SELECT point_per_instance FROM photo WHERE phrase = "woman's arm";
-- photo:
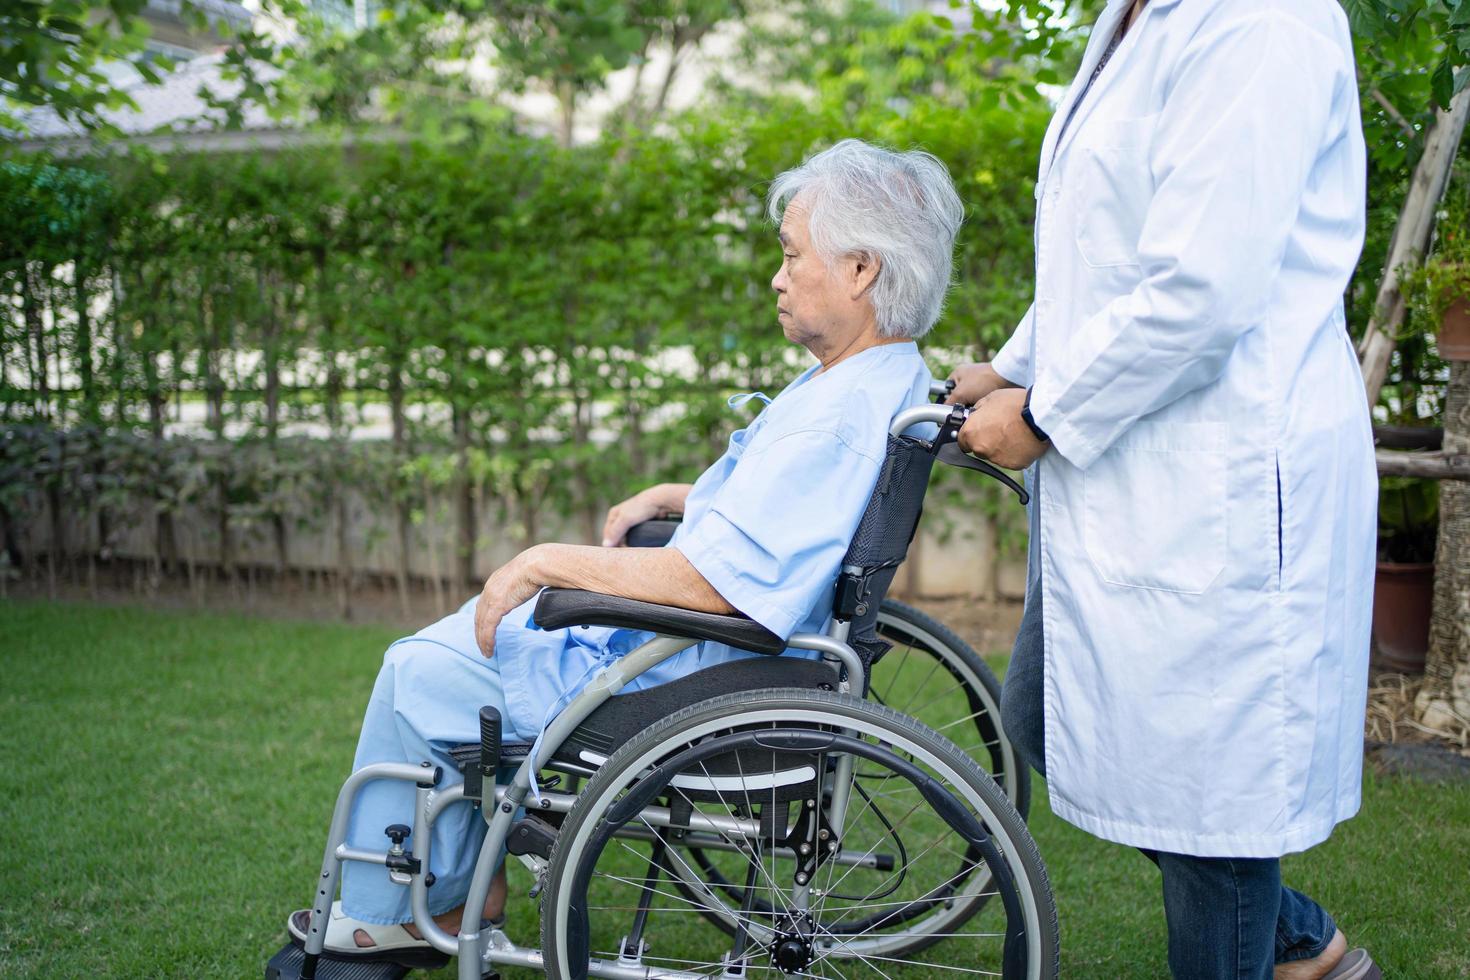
(657, 501)
(660, 575)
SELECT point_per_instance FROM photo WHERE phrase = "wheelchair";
(756, 817)
(929, 673)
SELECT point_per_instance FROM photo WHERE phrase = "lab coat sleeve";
(776, 531)
(1013, 360)
(1251, 102)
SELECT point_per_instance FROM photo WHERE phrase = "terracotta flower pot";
(1453, 339)
(1403, 597)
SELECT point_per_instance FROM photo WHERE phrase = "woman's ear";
(862, 273)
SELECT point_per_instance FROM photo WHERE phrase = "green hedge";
(547, 327)
(559, 325)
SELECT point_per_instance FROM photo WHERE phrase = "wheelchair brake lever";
(949, 451)
(952, 454)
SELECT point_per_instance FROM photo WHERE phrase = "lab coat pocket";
(1114, 190)
(1155, 507)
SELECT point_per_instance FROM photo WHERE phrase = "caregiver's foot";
(1319, 966)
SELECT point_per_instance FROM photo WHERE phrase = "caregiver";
(1191, 669)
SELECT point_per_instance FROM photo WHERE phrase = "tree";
(64, 55)
(53, 54)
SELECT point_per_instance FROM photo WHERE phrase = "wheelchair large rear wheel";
(842, 878)
(931, 674)
(935, 676)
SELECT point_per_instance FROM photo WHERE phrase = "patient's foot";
(450, 921)
(1318, 966)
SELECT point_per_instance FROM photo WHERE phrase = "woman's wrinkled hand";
(643, 506)
(972, 382)
(511, 584)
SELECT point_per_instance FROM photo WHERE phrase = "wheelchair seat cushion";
(618, 719)
(557, 608)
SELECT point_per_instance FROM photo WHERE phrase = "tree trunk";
(32, 295)
(120, 353)
(92, 415)
(165, 542)
(1444, 701)
(566, 98)
(214, 385)
(91, 412)
(14, 554)
(633, 412)
(581, 477)
(661, 101)
(58, 524)
(436, 573)
(214, 398)
(400, 456)
(271, 356)
(1411, 240)
(465, 529)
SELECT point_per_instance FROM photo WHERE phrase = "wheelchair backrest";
(891, 518)
(882, 540)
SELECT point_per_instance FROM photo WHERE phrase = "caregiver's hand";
(973, 382)
(660, 500)
(996, 431)
(511, 584)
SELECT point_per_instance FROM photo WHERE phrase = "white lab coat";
(1207, 510)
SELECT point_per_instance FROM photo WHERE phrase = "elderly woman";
(866, 237)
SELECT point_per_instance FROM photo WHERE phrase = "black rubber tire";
(1002, 818)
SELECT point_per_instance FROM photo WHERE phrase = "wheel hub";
(792, 953)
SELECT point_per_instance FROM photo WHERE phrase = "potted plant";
(1442, 288)
(1403, 593)
(1439, 290)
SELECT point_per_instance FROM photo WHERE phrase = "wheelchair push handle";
(940, 390)
(950, 418)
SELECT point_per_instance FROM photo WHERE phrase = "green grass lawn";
(168, 779)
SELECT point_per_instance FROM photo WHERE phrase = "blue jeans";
(1228, 917)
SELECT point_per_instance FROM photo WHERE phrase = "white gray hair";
(898, 207)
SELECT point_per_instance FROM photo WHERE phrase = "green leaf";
(1442, 82)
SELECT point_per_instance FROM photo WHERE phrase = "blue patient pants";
(426, 699)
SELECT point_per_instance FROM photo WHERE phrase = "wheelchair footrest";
(286, 965)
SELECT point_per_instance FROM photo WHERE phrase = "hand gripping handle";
(950, 418)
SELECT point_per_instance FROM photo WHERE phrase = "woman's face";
(814, 304)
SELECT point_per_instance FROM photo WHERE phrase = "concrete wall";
(955, 553)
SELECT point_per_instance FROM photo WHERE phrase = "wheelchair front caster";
(290, 961)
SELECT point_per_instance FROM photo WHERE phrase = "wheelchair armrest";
(558, 608)
(653, 534)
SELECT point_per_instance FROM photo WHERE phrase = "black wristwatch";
(1030, 421)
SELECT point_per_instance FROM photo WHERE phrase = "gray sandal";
(1355, 964)
(392, 943)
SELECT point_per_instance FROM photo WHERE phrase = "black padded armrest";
(652, 534)
(558, 608)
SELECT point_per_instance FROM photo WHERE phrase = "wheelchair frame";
(477, 948)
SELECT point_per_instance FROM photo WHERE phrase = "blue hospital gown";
(767, 525)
